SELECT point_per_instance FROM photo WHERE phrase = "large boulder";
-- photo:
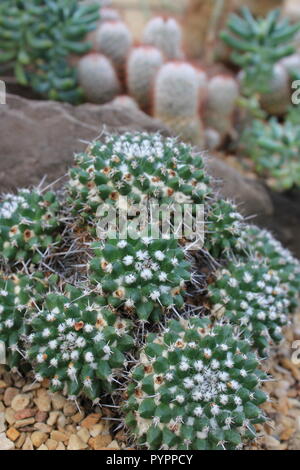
(39, 138)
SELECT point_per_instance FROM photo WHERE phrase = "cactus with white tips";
(142, 67)
(174, 105)
(166, 35)
(114, 40)
(98, 78)
(222, 95)
(195, 387)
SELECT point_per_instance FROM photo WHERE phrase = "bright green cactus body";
(29, 225)
(274, 148)
(262, 245)
(78, 342)
(252, 296)
(195, 387)
(35, 34)
(145, 277)
(259, 44)
(18, 295)
(140, 167)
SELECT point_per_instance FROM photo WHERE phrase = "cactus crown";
(28, 225)
(144, 276)
(78, 342)
(274, 148)
(165, 34)
(34, 51)
(195, 387)
(258, 44)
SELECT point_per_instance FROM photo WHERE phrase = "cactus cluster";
(114, 40)
(274, 149)
(195, 387)
(29, 225)
(37, 37)
(176, 335)
(78, 342)
(166, 35)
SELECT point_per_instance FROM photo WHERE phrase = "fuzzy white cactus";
(142, 67)
(98, 78)
(125, 101)
(166, 35)
(222, 94)
(176, 101)
(278, 98)
(114, 40)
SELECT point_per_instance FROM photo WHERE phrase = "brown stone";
(75, 443)
(26, 413)
(59, 436)
(78, 417)
(58, 401)
(70, 408)
(20, 402)
(90, 420)
(13, 434)
(41, 416)
(51, 444)
(27, 444)
(9, 394)
(102, 441)
(24, 422)
(20, 441)
(43, 402)
(38, 438)
(10, 416)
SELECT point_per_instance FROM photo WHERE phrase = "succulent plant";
(36, 34)
(114, 40)
(261, 244)
(139, 166)
(274, 149)
(222, 95)
(250, 294)
(224, 225)
(29, 225)
(79, 343)
(142, 66)
(258, 44)
(174, 106)
(195, 387)
(277, 100)
(18, 294)
(145, 277)
(98, 78)
(166, 35)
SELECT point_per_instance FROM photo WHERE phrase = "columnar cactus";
(195, 387)
(114, 40)
(166, 35)
(125, 101)
(138, 166)
(252, 296)
(277, 99)
(142, 66)
(176, 107)
(79, 343)
(145, 277)
(222, 95)
(98, 78)
(18, 295)
(29, 225)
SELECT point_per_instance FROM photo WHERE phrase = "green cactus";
(274, 148)
(98, 78)
(142, 276)
(258, 44)
(19, 294)
(142, 67)
(36, 36)
(29, 225)
(174, 106)
(78, 342)
(261, 245)
(195, 387)
(252, 296)
(139, 166)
